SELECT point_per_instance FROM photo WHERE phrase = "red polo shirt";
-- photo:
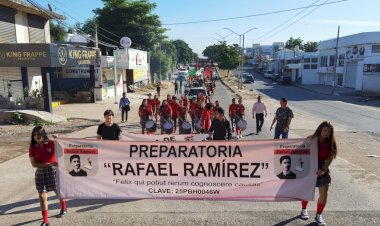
(44, 153)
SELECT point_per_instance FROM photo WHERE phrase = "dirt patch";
(233, 83)
(15, 139)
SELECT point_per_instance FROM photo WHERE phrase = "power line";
(253, 15)
(287, 20)
(92, 29)
(295, 21)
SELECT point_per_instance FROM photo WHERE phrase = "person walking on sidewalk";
(259, 109)
(240, 115)
(232, 113)
(327, 151)
(283, 117)
(42, 156)
(158, 88)
(108, 130)
(124, 106)
(176, 86)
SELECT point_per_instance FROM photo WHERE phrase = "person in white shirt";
(259, 109)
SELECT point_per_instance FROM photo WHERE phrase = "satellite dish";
(125, 42)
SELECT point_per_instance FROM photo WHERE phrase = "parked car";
(275, 77)
(268, 74)
(249, 79)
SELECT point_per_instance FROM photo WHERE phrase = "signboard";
(268, 170)
(25, 55)
(371, 69)
(79, 72)
(47, 55)
(125, 42)
(355, 52)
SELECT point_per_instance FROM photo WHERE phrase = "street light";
(224, 37)
(241, 52)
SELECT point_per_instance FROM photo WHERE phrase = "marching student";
(206, 118)
(42, 156)
(327, 151)
(175, 108)
(152, 103)
(220, 127)
(165, 114)
(232, 113)
(240, 115)
(157, 106)
(108, 130)
(192, 112)
(182, 116)
(145, 113)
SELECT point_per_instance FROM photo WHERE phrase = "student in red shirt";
(213, 110)
(42, 156)
(192, 110)
(185, 101)
(169, 99)
(152, 103)
(232, 113)
(206, 118)
(327, 151)
(240, 114)
(182, 116)
(175, 108)
(157, 107)
(145, 112)
(165, 114)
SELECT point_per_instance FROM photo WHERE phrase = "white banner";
(166, 137)
(270, 170)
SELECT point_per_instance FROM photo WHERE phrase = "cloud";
(354, 23)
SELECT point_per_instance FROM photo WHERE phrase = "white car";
(268, 74)
(193, 92)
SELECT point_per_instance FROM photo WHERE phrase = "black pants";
(124, 110)
(259, 121)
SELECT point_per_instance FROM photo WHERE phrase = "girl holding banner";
(327, 151)
(42, 156)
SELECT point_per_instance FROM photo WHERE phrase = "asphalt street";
(353, 199)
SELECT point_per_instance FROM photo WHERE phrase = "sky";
(310, 24)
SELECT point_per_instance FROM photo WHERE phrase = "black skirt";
(45, 179)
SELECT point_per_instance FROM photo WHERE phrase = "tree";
(184, 52)
(310, 46)
(159, 60)
(226, 56)
(129, 18)
(57, 32)
(292, 43)
(170, 51)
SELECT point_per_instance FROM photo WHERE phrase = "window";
(341, 60)
(375, 48)
(306, 66)
(36, 29)
(7, 25)
(323, 61)
(306, 60)
(297, 61)
(288, 61)
(314, 60)
(314, 66)
(332, 60)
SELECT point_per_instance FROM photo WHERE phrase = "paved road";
(352, 200)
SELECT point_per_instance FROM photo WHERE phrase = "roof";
(31, 9)
(350, 40)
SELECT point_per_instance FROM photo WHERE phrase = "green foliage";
(292, 43)
(57, 32)
(310, 46)
(17, 117)
(134, 19)
(185, 54)
(40, 122)
(225, 55)
(160, 60)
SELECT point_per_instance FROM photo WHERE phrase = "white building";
(358, 62)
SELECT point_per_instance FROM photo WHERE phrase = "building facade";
(357, 65)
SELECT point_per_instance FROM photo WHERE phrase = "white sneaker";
(304, 215)
(318, 218)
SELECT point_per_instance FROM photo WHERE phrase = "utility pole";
(114, 74)
(96, 36)
(336, 61)
(242, 64)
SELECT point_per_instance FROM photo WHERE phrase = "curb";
(227, 86)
